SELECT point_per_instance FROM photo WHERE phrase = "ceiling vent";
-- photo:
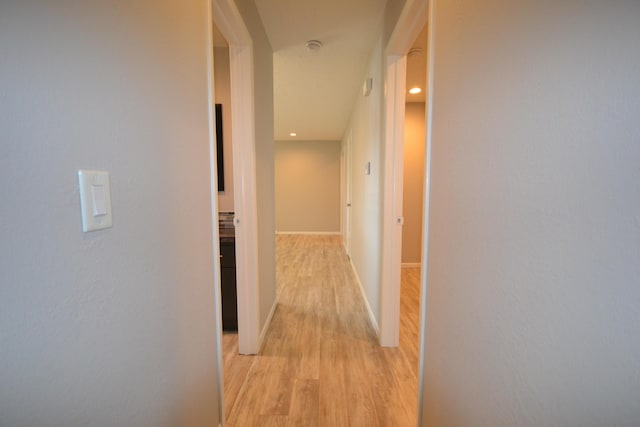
(313, 45)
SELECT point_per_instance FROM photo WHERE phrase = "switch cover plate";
(95, 200)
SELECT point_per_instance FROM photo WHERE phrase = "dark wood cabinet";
(228, 283)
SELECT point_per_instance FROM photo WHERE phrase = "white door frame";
(231, 25)
(427, 203)
(410, 22)
(346, 191)
(396, 66)
(214, 210)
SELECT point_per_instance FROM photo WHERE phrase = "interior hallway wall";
(366, 128)
(114, 327)
(534, 246)
(307, 176)
(413, 182)
(366, 196)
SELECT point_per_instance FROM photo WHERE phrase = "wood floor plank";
(246, 409)
(410, 309)
(305, 410)
(362, 406)
(311, 332)
(272, 421)
(278, 384)
(236, 369)
(332, 395)
(320, 364)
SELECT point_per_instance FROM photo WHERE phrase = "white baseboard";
(411, 265)
(372, 318)
(263, 334)
(310, 233)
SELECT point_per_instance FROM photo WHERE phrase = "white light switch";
(95, 200)
(98, 196)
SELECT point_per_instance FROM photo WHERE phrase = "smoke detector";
(415, 51)
(313, 45)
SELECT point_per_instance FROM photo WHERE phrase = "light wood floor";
(320, 364)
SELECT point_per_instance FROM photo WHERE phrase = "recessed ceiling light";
(415, 90)
(293, 134)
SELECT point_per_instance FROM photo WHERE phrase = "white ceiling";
(314, 92)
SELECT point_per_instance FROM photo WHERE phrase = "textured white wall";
(223, 96)
(413, 185)
(116, 327)
(534, 248)
(263, 87)
(307, 175)
(366, 198)
(392, 11)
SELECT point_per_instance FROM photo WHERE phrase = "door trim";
(347, 192)
(414, 15)
(407, 28)
(217, 296)
(427, 202)
(228, 19)
(396, 73)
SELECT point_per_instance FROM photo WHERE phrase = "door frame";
(347, 192)
(213, 176)
(412, 19)
(396, 66)
(415, 14)
(230, 23)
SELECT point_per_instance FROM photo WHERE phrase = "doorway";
(408, 27)
(230, 24)
(413, 18)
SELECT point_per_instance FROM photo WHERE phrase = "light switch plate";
(95, 200)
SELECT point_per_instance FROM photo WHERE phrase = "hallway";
(320, 363)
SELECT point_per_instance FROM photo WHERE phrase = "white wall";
(366, 128)
(392, 11)
(413, 187)
(223, 96)
(263, 89)
(366, 199)
(534, 248)
(307, 178)
(116, 327)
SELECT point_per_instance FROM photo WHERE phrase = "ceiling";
(314, 91)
